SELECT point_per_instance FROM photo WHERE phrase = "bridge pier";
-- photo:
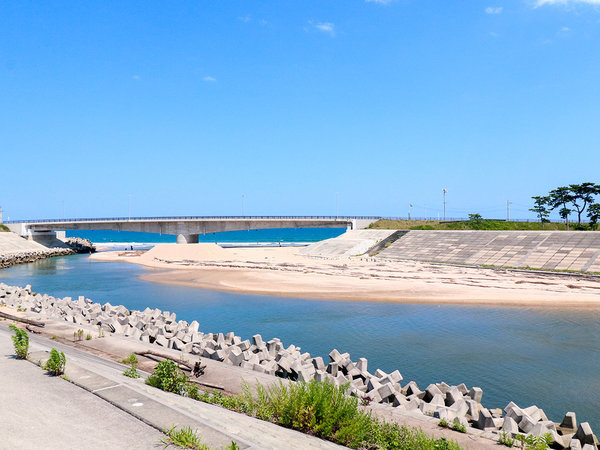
(187, 238)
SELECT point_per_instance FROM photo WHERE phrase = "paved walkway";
(39, 411)
(49, 412)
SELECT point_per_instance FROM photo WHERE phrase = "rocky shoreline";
(73, 246)
(452, 403)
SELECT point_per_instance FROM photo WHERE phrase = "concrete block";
(452, 396)
(412, 388)
(244, 345)
(485, 421)
(318, 363)
(569, 421)
(335, 356)
(585, 435)
(476, 393)
(332, 369)
(526, 424)
(257, 340)
(575, 444)
(431, 391)
(380, 373)
(462, 388)
(534, 413)
(399, 400)
(543, 427)
(362, 364)
(459, 408)
(193, 328)
(385, 390)
(510, 426)
(438, 400)
(236, 356)
(162, 341)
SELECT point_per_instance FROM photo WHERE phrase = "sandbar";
(285, 272)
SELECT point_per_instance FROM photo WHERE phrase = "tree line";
(568, 199)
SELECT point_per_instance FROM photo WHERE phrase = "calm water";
(532, 356)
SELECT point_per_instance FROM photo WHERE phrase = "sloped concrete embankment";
(351, 243)
(16, 250)
(560, 250)
(438, 400)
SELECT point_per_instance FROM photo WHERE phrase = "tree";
(541, 208)
(582, 195)
(560, 197)
(594, 215)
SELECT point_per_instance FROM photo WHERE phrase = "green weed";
(505, 439)
(20, 342)
(56, 363)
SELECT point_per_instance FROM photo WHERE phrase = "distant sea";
(252, 237)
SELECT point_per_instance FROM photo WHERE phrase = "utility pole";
(445, 191)
(242, 205)
(409, 206)
(336, 205)
(63, 210)
(129, 207)
(508, 202)
(0, 214)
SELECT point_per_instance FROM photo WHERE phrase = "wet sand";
(287, 273)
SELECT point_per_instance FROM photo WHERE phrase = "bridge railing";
(139, 219)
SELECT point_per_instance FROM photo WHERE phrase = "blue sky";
(183, 107)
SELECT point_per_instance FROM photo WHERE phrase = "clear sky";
(182, 107)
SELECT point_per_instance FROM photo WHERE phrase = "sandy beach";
(287, 273)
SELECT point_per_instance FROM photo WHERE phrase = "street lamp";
(445, 191)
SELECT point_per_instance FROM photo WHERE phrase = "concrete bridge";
(186, 228)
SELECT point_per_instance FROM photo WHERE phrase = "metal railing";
(171, 218)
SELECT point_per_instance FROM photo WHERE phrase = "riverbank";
(287, 272)
(387, 393)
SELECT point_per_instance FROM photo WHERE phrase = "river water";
(546, 357)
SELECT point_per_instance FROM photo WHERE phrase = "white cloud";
(326, 27)
(380, 2)
(209, 79)
(565, 29)
(566, 2)
(245, 19)
(136, 77)
(493, 9)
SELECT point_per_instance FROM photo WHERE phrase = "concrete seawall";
(560, 250)
(16, 250)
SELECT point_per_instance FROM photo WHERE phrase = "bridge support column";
(187, 238)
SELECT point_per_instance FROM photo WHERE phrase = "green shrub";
(443, 423)
(131, 373)
(88, 337)
(531, 442)
(184, 437)
(168, 377)
(20, 342)
(131, 359)
(506, 439)
(457, 426)
(56, 363)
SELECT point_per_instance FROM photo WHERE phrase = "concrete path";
(39, 411)
(81, 419)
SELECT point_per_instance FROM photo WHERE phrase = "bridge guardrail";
(132, 219)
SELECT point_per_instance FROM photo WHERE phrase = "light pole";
(63, 210)
(129, 207)
(336, 205)
(508, 202)
(445, 191)
(242, 205)
(409, 206)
